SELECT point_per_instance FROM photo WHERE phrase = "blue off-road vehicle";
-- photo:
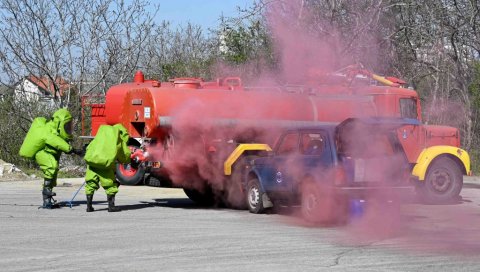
(323, 167)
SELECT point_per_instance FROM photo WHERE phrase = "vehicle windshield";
(408, 108)
(288, 144)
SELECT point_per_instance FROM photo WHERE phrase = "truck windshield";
(408, 108)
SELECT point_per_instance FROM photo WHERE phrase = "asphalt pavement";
(160, 229)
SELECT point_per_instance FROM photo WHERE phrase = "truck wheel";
(235, 193)
(254, 197)
(443, 182)
(129, 175)
(202, 198)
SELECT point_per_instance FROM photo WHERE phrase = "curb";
(471, 179)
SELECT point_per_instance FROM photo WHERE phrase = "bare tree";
(184, 51)
(438, 45)
(90, 43)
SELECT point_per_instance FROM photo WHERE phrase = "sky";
(205, 13)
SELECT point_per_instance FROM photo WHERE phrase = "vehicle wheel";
(310, 202)
(443, 182)
(129, 175)
(202, 198)
(321, 205)
(254, 197)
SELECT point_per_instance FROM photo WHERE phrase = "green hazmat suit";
(45, 142)
(108, 147)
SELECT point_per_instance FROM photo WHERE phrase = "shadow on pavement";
(79, 203)
(164, 202)
(182, 203)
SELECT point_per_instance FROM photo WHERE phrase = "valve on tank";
(187, 82)
(139, 77)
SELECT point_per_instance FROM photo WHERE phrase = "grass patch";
(475, 161)
(61, 174)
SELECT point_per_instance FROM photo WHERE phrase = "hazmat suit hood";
(62, 122)
(123, 133)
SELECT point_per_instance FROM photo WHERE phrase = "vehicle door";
(286, 152)
(316, 157)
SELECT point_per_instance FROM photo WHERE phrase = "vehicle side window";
(408, 108)
(312, 143)
(289, 144)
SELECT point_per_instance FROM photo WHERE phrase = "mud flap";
(267, 203)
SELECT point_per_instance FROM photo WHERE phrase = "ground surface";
(161, 230)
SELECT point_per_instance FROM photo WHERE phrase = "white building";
(34, 89)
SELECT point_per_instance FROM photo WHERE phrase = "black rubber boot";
(47, 201)
(48, 194)
(47, 198)
(89, 203)
(111, 204)
(47, 188)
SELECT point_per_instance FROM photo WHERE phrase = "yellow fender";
(430, 153)
(227, 165)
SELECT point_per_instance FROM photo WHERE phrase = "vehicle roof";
(390, 122)
(385, 121)
(310, 127)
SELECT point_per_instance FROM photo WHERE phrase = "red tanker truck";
(200, 135)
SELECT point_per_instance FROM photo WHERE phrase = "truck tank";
(149, 108)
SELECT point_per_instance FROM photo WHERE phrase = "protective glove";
(78, 152)
(138, 155)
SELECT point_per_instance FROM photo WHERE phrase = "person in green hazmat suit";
(108, 147)
(45, 141)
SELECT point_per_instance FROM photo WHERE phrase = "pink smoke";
(201, 147)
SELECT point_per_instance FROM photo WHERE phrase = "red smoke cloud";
(201, 145)
(418, 228)
(299, 50)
